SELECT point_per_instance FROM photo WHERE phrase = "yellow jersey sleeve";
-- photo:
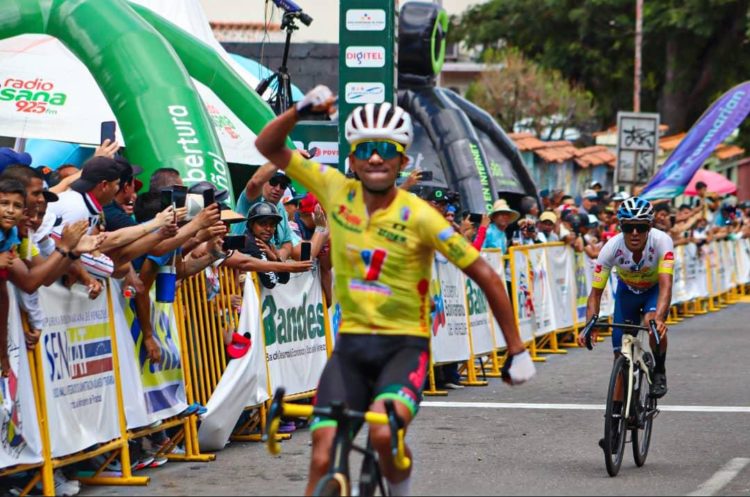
(438, 233)
(666, 263)
(600, 277)
(323, 181)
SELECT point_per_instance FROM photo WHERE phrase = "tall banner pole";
(367, 58)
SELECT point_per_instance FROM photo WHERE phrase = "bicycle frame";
(345, 419)
(632, 349)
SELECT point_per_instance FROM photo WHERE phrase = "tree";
(692, 49)
(521, 91)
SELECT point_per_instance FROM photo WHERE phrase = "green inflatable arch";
(142, 64)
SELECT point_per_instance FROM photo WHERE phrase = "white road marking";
(579, 407)
(720, 479)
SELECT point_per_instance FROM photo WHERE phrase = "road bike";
(337, 480)
(631, 378)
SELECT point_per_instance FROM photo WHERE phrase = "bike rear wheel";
(332, 485)
(643, 409)
(614, 422)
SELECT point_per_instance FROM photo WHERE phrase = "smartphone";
(208, 197)
(107, 131)
(475, 218)
(426, 176)
(166, 198)
(233, 242)
(306, 254)
(179, 196)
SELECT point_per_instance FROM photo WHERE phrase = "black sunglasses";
(279, 182)
(631, 227)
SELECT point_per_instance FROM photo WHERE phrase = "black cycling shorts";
(367, 368)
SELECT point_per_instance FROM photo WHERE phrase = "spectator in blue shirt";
(501, 217)
(269, 185)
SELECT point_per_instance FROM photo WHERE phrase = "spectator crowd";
(82, 226)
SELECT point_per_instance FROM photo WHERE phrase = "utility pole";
(638, 47)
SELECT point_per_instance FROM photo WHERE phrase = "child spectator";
(12, 204)
(262, 220)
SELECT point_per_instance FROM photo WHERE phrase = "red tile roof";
(557, 151)
(595, 156)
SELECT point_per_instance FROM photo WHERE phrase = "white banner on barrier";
(742, 248)
(495, 259)
(562, 283)
(450, 336)
(243, 384)
(523, 299)
(294, 326)
(679, 281)
(20, 442)
(541, 291)
(583, 283)
(155, 391)
(479, 319)
(79, 382)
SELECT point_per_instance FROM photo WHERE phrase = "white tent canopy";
(77, 107)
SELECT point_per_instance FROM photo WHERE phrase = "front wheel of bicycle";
(614, 421)
(643, 406)
(332, 485)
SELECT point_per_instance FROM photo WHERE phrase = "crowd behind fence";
(88, 388)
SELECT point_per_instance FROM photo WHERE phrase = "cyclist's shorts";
(630, 307)
(367, 368)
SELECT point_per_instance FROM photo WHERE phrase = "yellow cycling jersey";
(382, 262)
(657, 258)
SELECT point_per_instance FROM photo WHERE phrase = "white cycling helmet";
(636, 209)
(380, 122)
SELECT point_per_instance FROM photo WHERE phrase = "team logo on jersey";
(405, 213)
(598, 268)
(618, 253)
(350, 196)
(669, 256)
(374, 260)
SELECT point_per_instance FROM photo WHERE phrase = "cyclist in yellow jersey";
(644, 258)
(382, 244)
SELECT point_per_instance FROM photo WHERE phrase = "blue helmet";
(636, 209)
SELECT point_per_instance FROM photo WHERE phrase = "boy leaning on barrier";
(12, 203)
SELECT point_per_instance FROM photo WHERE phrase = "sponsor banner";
(583, 284)
(495, 259)
(523, 300)
(679, 281)
(163, 385)
(243, 383)
(718, 122)
(562, 285)
(695, 271)
(540, 290)
(365, 57)
(325, 152)
(365, 19)
(365, 93)
(726, 266)
(79, 382)
(479, 318)
(742, 251)
(294, 327)
(450, 336)
(20, 442)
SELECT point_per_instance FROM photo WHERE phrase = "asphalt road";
(546, 448)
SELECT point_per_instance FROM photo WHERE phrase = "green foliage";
(692, 49)
(522, 90)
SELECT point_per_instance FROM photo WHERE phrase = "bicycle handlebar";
(593, 323)
(279, 408)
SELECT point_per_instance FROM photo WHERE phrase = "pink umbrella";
(715, 183)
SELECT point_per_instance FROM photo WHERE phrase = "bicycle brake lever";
(587, 331)
(654, 331)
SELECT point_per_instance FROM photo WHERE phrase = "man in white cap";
(501, 216)
(588, 200)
